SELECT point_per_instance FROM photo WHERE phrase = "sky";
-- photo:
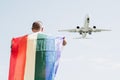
(97, 58)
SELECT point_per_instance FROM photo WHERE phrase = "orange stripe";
(21, 58)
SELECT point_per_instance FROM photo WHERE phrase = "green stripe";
(45, 57)
(40, 66)
(40, 62)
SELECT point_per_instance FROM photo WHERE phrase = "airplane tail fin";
(87, 21)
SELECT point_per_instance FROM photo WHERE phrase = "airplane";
(85, 29)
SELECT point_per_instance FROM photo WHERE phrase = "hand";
(64, 41)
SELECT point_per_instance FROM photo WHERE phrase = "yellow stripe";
(30, 57)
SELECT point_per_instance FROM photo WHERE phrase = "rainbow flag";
(34, 57)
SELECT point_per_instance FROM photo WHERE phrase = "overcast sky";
(97, 58)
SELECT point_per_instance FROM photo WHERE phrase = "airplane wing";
(68, 30)
(99, 30)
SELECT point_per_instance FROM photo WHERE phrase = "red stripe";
(17, 59)
(14, 51)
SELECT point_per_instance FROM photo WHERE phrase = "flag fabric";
(34, 57)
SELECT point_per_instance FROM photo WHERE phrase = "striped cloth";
(34, 57)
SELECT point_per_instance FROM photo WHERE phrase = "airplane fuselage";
(86, 29)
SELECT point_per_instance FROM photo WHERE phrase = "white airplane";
(85, 29)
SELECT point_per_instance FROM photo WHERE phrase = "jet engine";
(77, 27)
(94, 27)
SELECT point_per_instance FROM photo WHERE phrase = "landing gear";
(90, 33)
